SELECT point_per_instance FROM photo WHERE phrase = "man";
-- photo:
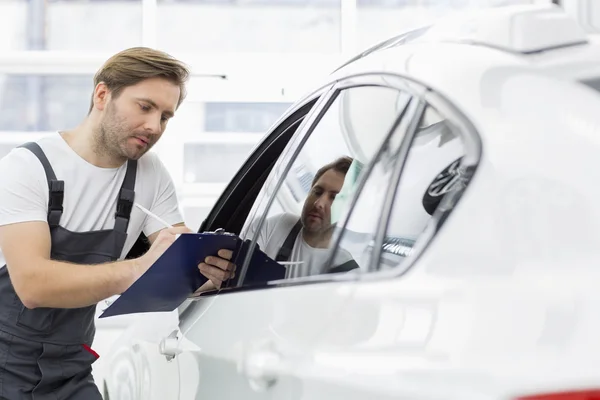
(303, 243)
(66, 218)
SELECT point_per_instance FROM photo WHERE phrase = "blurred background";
(250, 59)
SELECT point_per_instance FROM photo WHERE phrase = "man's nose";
(321, 203)
(153, 124)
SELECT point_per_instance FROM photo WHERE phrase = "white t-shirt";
(90, 192)
(311, 260)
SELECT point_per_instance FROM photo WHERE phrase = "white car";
(470, 209)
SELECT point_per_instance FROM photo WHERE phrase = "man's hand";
(218, 269)
(163, 241)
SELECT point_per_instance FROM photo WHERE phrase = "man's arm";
(153, 236)
(41, 282)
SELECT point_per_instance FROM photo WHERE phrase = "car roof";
(481, 79)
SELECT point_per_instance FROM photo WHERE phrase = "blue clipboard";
(175, 275)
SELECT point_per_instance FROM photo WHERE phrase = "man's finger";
(214, 281)
(213, 271)
(217, 282)
(220, 263)
(226, 254)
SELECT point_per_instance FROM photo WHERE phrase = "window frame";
(304, 133)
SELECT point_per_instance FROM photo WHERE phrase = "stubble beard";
(104, 144)
(108, 138)
(321, 232)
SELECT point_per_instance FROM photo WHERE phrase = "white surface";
(105, 338)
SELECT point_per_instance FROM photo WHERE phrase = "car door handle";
(169, 346)
(262, 367)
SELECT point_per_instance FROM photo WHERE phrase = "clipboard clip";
(219, 231)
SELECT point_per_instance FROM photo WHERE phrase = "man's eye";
(144, 108)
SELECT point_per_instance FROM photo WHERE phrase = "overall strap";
(286, 250)
(126, 198)
(345, 267)
(56, 187)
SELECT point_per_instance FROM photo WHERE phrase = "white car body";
(502, 303)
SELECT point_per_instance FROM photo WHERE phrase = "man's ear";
(101, 96)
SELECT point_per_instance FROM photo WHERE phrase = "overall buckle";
(55, 202)
(125, 203)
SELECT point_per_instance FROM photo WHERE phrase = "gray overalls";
(45, 352)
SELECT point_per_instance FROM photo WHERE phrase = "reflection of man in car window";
(303, 242)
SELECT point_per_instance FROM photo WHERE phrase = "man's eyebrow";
(153, 104)
(323, 189)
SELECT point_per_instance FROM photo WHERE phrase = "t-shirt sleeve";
(23, 188)
(263, 234)
(272, 233)
(165, 204)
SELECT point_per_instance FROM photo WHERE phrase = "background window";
(43, 102)
(213, 162)
(40, 25)
(307, 26)
(242, 117)
(13, 25)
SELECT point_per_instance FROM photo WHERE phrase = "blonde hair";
(131, 66)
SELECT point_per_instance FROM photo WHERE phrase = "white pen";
(151, 214)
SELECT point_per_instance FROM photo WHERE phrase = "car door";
(399, 331)
(247, 341)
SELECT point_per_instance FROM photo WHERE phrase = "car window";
(432, 171)
(361, 222)
(298, 217)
